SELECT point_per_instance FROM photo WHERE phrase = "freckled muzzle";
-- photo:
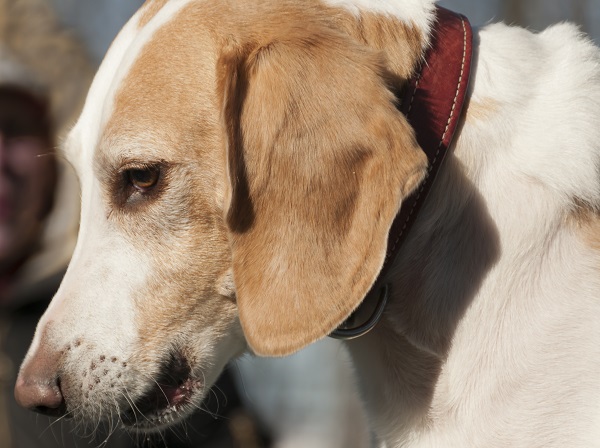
(73, 382)
(47, 385)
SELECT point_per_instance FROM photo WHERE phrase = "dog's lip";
(161, 401)
(179, 395)
(171, 392)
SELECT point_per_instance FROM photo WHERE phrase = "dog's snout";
(38, 384)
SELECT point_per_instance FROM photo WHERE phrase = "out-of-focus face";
(27, 174)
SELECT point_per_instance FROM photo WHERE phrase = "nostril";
(51, 412)
(44, 397)
(55, 406)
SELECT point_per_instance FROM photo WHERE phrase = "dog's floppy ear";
(319, 160)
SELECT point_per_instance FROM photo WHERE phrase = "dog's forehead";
(167, 100)
(132, 81)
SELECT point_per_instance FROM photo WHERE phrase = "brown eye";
(143, 179)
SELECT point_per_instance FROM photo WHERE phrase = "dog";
(241, 165)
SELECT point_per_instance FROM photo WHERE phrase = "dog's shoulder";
(536, 97)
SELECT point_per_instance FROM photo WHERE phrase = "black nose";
(38, 385)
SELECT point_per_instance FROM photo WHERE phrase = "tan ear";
(319, 160)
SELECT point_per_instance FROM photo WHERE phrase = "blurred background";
(305, 401)
(97, 22)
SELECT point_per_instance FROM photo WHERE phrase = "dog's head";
(240, 170)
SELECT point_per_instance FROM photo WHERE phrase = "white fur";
(521, 367)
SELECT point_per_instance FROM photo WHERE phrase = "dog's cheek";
(188, 306)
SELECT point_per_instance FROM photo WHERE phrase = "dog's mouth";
(169, 400)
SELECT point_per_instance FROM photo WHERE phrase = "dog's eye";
(143, 179)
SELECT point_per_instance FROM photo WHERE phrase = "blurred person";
(43, 76)
(28, 175)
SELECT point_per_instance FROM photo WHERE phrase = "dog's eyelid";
(142, 165)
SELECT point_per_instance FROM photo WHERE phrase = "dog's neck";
(409, 333)
(437, 274)
(433, 105)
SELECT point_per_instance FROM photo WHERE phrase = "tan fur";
(587, 223)
(291, 246)
(149, 11)
(592, 232)
(400, 44)
(481, 110)
(265, 78)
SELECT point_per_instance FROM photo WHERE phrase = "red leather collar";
(432, 103)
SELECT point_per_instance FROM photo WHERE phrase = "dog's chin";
(172, 397)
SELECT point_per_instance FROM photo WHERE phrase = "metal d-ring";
(352, 333)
